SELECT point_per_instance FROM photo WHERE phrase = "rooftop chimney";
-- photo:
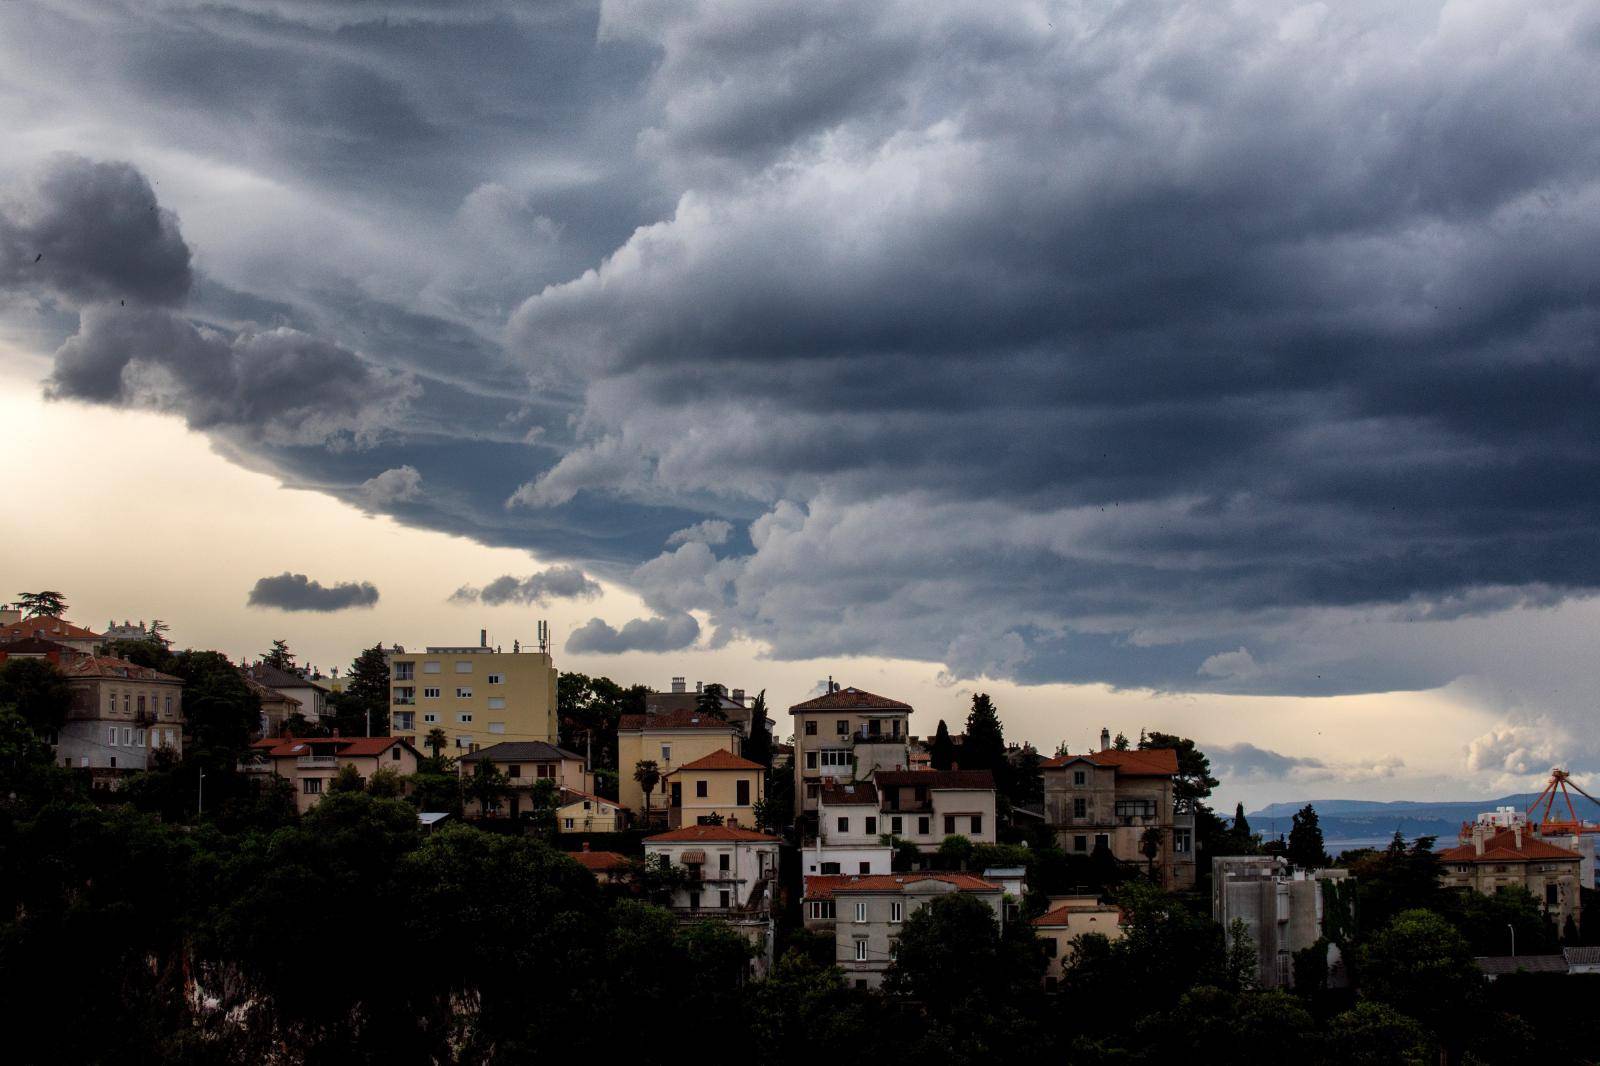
(1477, 839)
(679, 685)
(737, 696)
(1105, 739)
(697, 687)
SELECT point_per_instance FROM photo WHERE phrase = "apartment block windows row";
(950, 824)
(430, 693)
(463, 693)
(130, 737)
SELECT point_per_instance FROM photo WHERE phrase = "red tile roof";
(860, 792)
(1147, 762)
(691, 833)
(897, 882)
(46, 627)
(822, 886)
(850, 699)
(1062, 915)
(721, 759)
(679, 719)
(106, 666)
(1502, 847)
(933, 778)
(601, 861)
(572, 795)
(343, 747)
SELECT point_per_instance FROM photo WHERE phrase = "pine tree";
(943, 751)
(280, 656)
(1305, 840)
(709, 701)
(47, 604)
(758, 746)
(366, 696)
(985, 746)
(1241, 825)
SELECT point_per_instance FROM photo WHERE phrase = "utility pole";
(1513, 930)
(200, 808)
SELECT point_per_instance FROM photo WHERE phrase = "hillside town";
(820, 859)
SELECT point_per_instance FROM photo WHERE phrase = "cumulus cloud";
(556, 583)
(1516, 749)
(399, 484)
(711, 531)
(1231, 664)
(670, 633)
(296, 592)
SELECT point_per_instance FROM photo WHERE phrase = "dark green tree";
(487, 786)
(1241, 824)
(985, 745)
(1194, 782)
(158, 633)
(280, 656)
(758, 745)
(437, 739)
(1419, 965)
(709, 701)
(348, 779)
(46, 604)
(648, 773)
(1306, 848)
(942, 752)
(365, 700)
(35, 689)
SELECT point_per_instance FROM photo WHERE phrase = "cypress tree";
(943, 752)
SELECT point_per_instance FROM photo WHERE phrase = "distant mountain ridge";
(1359, 820)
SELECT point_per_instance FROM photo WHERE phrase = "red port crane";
(1550, 823)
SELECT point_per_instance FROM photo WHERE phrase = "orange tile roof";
(576, 795)
(677, 719)
(47, 626)
(1502, 847)
(353, 747)
(1062, 915)
(1146, 762)
(721, 759)
(600, 860)
(111, 667)
(850, 699)
(860, 792)
(691, 833)
(897, 882)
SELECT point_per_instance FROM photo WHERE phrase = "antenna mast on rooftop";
(544, 637)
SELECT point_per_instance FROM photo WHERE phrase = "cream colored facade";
(843, 736)
(720, 785)
(477, 695)
(119, 716)
(671, 740)
(582, 812)
(1065, 920)
(1488, 861)
(311, 764)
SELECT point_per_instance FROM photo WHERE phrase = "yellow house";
(583, 812)
(669, 740)
(477, 695)
(719, 785)
(1067, 919)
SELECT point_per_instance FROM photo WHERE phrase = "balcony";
(404, 701)
(317, 762)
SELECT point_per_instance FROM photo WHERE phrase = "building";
(717, 787)
(925, 806)
(670, 740)
(120, 714)
(312, 696)
(34, 648)
(869, 911)
(477, 694)
(1067, 918)
(276, 707)
(607, 866)
(525, 763)
(849, 833)
(126, 631)
(48, 627)
(310, 764)
(1490, 859)
(583, 812)
(1124, 801)
(1284, 910)
(842, 736)
(732, 703)
(732, 877)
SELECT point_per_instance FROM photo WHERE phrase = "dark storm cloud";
(296, 592)
(556, 583)
(1243, 348)
(92, 231)
(596, 637)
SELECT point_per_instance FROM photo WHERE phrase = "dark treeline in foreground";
(136, 932)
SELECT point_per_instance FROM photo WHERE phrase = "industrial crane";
(1550, 824)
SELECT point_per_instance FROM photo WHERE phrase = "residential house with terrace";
(525, 763)
(584, 812)
(731, 876)
(845, 735)
(310, 764)
(1488, 860)
(48, 627)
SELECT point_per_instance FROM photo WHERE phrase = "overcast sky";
(1223, 368)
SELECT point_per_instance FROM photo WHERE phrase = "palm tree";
(648, 774)
(436, 740)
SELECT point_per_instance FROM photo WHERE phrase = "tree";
(280, 656)
(955, 851)
(1305, 840)
(648, 774)
(544, 800)
(1194, 781)
(437, 738)
(158, 633)
(942, 753)
(1150, 848)
(775, 810)
(348, 779)
(1241, 824)
(1423, 968)
(221, 710)
(486, 785)
(364, 704)
(386, 784)
(1240, 965)
(1121, 743)
(985, 746)
(905, 854)
(35, 689)
(708, 701)
(47, 604)
(758, 745)
(1371, 1034)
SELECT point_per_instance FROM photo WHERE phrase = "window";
(404, 694)
(872, 827)
(127, 736)
(428, 717)
(111, 703)
(430, 667)
(1080, 843)
(138, 738)
(1079, 778)
(822, 909)
(894, 825)
(949, 824)
(1080, 808)
(723, 861)
(404, 671)
(464, 717)
(700, 789)
(836, 757)
(864, 867)
(861, 912)
(543, 770)
(861, 950)
(741, 793)
(167, 711)
(495, 679)
(497, 703)
(842, 727)
(405, 721)
(1051, 947)
(666, 753)
(897, 911)
(568, 822)
(811, 728)
(844, 824)
(875, 727)
(497, 727)
(830, 867)
(1181, 841)
(111, 735)
(812, 790)
(141, 704)
(977, 824)
(463, 666)
(1551, 894)
(923, 826)
(430, 693)
(127, 703)
(463, 693)
(514, 770)
(311, 786)
(1135, 808)
(723, 899)
(394, 753)
(587, 805)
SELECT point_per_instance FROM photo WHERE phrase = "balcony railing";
(312, 762)
(405, 701)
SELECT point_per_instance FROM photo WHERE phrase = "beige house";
(276, 707)
(869, 911)
(843, 736)
(1489, 860)
(527, 762)
(310, 694)
(718, 786)
(583, 812)
(311, 763)
(1124, 801)
(1068, 918)
(477, 694)
(48, 627)
(925, 806)
(670, 740)
(120, 714)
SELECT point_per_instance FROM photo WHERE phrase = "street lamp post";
(1513, 930)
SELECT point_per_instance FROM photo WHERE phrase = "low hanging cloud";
(711, 531)
(672, 633)
(556, 583)
(1245, 762)
(399, 484)
(296, 592)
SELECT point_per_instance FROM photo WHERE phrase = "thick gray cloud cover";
(555, 583)
(670, 633)
(1242, 347)
(297, 592)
